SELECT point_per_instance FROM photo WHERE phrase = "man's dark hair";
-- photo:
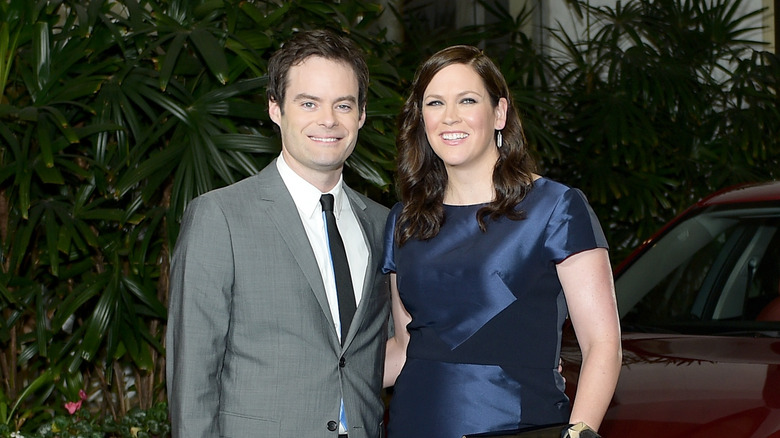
(321, 43)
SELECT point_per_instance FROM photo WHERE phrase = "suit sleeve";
(198, 319)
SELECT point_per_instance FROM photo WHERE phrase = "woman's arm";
(587, 283)
(395, 356)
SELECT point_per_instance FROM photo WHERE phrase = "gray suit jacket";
(251, 346)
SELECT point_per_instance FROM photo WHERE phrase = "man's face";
(320, 118)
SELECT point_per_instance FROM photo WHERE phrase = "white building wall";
(551, 12)
(548, 13)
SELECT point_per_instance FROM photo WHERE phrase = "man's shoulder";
(370, 203)
(371, 206)
(246, 194)
(263, 181)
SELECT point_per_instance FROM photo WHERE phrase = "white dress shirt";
(307, 200)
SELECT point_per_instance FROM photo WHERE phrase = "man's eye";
(308, 104)
(345, 107)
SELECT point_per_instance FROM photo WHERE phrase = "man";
(255, 343)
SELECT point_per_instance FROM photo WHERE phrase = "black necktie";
(338, 255)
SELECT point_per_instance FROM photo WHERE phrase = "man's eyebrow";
(304, 96)
(349, 98)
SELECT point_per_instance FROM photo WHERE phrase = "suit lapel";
(367, 228)
(282, 211)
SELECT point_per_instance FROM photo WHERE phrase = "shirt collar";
(305, 195)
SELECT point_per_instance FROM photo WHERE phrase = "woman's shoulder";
(392, 217)
(544, 187)
(396, 208)
(554, 195)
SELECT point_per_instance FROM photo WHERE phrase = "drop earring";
(499, 139)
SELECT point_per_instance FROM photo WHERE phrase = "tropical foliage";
(664, 102)
(655, 104)
(115, 113)
(136, 423)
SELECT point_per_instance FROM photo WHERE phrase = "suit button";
(342, 362)
(332, 426)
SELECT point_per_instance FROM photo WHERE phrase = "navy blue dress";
(487, 311)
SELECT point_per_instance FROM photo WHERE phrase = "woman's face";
(459, 119)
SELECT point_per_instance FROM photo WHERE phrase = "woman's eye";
(433, 103)
(468, 100)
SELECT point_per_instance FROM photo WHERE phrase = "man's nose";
(328, 118)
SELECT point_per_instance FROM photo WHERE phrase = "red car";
(699, 306)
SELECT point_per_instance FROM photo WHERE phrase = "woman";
(485, 257)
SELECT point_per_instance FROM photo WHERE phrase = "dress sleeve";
(573, 227)
(388, 254)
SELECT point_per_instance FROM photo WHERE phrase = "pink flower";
(72, 407)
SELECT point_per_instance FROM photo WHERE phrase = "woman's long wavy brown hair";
(421, 176)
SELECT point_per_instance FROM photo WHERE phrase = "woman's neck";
(463, 189)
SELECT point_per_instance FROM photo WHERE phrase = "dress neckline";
(481, 204)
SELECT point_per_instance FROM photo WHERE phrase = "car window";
(717, 267)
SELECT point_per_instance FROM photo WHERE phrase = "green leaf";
(146, 296)
(61, 122)
(23, 182)
(99, 320)
(42, 57)
(44, 141)
(76, 299)
(8, 295)
(42, 337)
(52, 239)
(170, 58)
(212, 52)
(43, 379)
(147, 168)
(267, 20)
(8, 43)
(247, 143)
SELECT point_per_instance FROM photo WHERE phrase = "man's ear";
(275, 111)
(362, 119)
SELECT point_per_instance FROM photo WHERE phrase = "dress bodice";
(489, 303)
